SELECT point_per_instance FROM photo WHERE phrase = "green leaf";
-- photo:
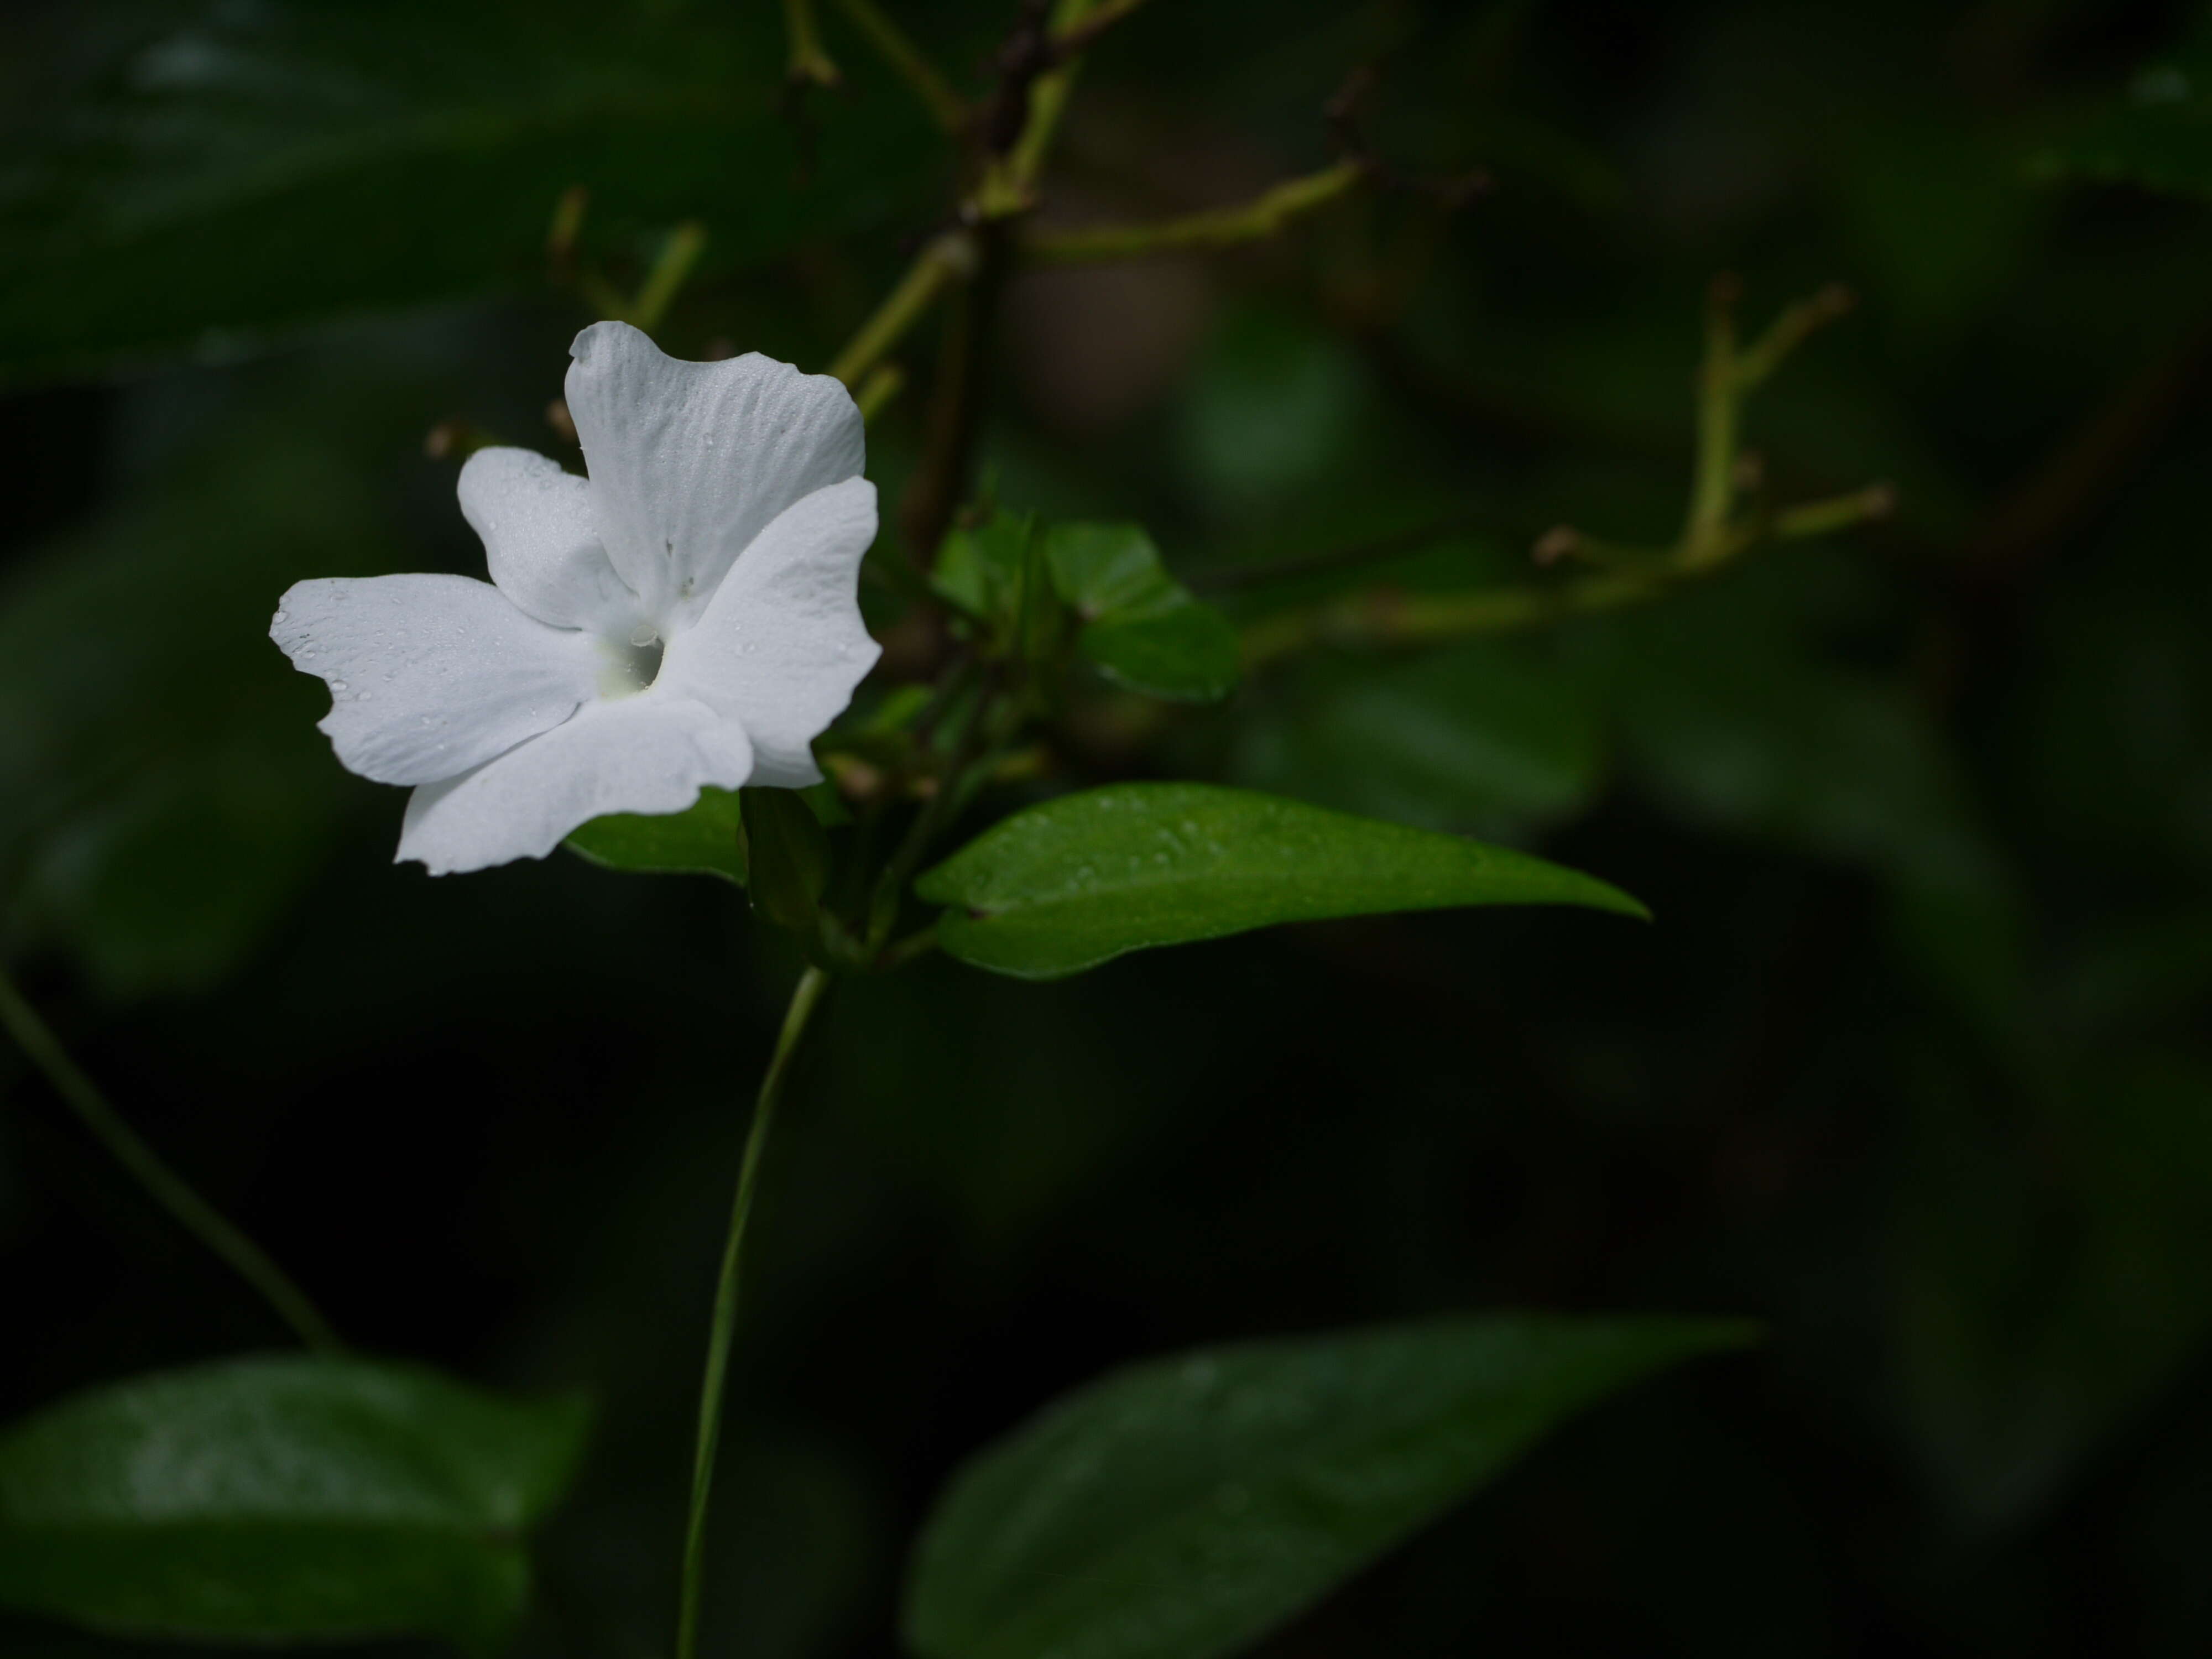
(979, 570)
(1079, 881)
(258, 168)
(1185, 654)
(1181, 1509)
(282, 1500)
(789, 852)
(1141, 628)
(1109, 571)
(707, 838)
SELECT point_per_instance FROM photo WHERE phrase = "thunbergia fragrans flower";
(687, 616)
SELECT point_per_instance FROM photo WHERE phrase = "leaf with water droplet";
(1028, 898)
(1182, 1508)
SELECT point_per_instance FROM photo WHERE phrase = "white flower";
(688, 616)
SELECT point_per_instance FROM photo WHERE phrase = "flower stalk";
(804, 998)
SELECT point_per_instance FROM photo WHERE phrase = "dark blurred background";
(1911, 1066)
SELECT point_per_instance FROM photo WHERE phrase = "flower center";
(632, 664)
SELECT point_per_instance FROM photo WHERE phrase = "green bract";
(1181, 1509)
(282, 1500)
(1075, 882)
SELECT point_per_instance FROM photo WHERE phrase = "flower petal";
(691, 461)
(781, 646)
(649, 753)
(541, 543)
(430, 675)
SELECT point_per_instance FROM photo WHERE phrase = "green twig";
(1788, 332)
(1009, 184)
(677, 255)
(1074, 36)
(164, 1185)
(949, 256)
(808, 64)
(896, 48)
(1217, 227)
(805, 998)
(883, 383)
(1712, 485)
(1713, 536)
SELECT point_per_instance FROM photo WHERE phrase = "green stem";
(808, 61)
(164, 1185)
(892, 44)
(1009, 184)
(950, 255)
(1400, 620)
(879, 389)
(804, 1000)
(1218, 227)
(1712, 488)
(677, 255)
(1094, 21)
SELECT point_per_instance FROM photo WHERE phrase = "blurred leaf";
(256, 166)
(706, 838)
(1187, 653)
(1075, 882)
(2055, 1281)
(282, 1500)
(788, 851)
(2158, 136)
(1478, 737)
(1110, 570)
(979, 569)
(1733, 718)
(1182, 1509)
(1141, 628)
(1276, 411)
(163, 792)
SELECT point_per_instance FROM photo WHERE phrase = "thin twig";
(1232, 579)
(882, 385)
(949, 256)
(677, 255)
(162, 1184)
(1074, 37)
(1216, 227)
(808, 64)
(1714, 535)
(896, 48)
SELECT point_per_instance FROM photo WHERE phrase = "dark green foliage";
(1181, 1509)
(1912, 1065)
(242, 169)
(283, 1500)
(1140, 627)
